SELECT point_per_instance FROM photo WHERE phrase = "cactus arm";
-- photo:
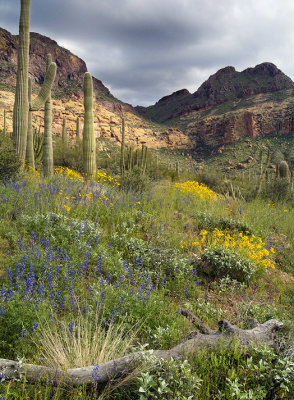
(45, 89)
(30, 145)
(21, 104)
(47, 143)
(89, 141)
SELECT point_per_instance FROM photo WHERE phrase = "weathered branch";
(118, 368)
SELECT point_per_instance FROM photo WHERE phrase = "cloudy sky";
(143, 50)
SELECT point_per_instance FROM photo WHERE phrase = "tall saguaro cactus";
(89, 141)
(47, 144)
(30, 144)
(21, 103)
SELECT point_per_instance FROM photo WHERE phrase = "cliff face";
(70, 68)
(231, 104)
(68, 96)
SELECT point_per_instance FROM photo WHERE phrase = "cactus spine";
(89, 142)
(122, 149)
(30, 144)
(21, 103)
(64, 131)
(47, 144)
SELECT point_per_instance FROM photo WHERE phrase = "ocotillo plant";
(89, 141)
(64, 131)
(47, 144)
(122, 148)
(21, 103)
(30, 159)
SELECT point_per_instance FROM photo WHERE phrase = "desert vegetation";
(122, 277)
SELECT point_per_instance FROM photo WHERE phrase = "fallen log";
(102, 374)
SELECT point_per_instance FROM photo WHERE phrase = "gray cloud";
(143, 50)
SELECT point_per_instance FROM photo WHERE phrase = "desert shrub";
(70, 156)
(218, 262)
(208, 221)
(9, 160)
(134, 180)
(278, 190)
(155, 259)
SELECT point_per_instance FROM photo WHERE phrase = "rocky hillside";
(68, 96)
(229, 105)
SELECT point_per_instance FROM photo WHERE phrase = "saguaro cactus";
(78, 128)
(21, 103)
(47, 144)
(64, 131)
(4, 118)
(30, 144)
(89, 141)
(122, 148)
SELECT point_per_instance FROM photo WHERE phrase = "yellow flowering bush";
(248, 246)
(69, 173)
(102, 177)
(197, 189)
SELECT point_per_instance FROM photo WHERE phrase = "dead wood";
(118, 368)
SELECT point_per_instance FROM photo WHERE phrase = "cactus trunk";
(89, 141)
(30, 144)
(21, 103)
(64, 131)
(4, 117)
(122, 149)
(47, 145)
(78, 128)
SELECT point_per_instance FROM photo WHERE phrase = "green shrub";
(278, 189)
(134, 180)
(218, 262)
(9, 160)
(70, 156)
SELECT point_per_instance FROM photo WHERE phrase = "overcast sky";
(143, 50)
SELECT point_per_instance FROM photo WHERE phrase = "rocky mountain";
(68, 96)
(229, 105)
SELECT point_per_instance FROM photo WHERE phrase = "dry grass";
(89, 341)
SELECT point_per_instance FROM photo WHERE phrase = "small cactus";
(283, 170)
(89, 141)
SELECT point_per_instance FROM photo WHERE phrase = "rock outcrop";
(68, 96)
